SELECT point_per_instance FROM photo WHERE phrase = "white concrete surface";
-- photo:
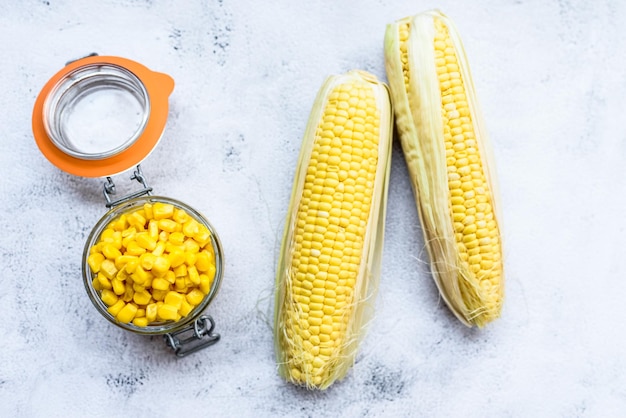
(550, 77)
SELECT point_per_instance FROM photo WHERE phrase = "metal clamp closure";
(109, 189)
(201, 336)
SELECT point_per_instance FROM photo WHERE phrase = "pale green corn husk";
(418, 118)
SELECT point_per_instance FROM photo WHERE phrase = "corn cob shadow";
(449, 161)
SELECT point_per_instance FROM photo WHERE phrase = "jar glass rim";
(86, 81)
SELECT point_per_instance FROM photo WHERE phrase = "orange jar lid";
(101, 115)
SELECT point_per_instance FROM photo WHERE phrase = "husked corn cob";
(448, 157)
(332, 244)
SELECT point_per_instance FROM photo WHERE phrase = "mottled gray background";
(550, 76)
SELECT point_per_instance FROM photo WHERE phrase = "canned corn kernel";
(162, 326)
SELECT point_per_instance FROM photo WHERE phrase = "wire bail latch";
(201, 336)
(109, 189)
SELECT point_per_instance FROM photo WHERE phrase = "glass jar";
(132, 101)
(164, 327)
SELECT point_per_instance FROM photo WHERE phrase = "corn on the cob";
(332, 244)
(448, 157)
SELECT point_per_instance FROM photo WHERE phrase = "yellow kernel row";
(153, 264)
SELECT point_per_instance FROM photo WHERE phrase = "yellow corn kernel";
(180, 285)
(146, 261)
(122, 260)
(122, 275)
(137, 220)
(151, 312)
(132, 265)
(140, 322)
(160, 265)
(180, 216)
(167, 312)
(108, 297)
(141, 312)
(211, 272)
(337, 209)
(127, 239)
(204, 261)
(185, 308)
(95, 249)
(127, 313)
(205, 284)
(176, 258)
(188, 283)
(181, 271)
(177, 238)
(142, 297)
(194, 297)
(126, 233)
(107, 235)
(129, 292)
(445, 148)
(162, 210)
(129, 232)
(147, 209)
(117, 240)
(174, 299)
(95, 261)
(120, 224)
(96, 284)
(144, 240)
(140, 276)
(170, 276)
(153, 229)
(168, 225)
(160, 284)
(159, 249)
(191, 246)
(191, 228)
(159, 295)
(118, 286)
(108, 269)
(203, 236)
(110, 252)
(104, 282)
(194, 277)
(116, 307)
(190, 259)
(171, 248)
(133, 248)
